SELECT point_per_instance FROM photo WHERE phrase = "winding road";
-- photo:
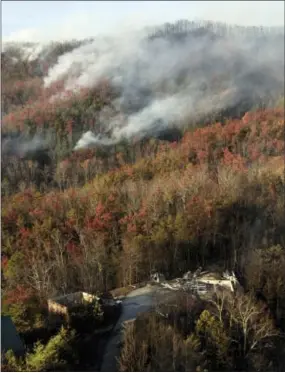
(137, 301)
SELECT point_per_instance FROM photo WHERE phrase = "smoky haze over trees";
(211, 69)
(185, 70)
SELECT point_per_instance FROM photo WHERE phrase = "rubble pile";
(198, 282)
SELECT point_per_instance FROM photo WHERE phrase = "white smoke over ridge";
(89, 139)
(181, 74)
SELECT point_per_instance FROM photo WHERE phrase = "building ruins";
(60, 308)
(199, 282)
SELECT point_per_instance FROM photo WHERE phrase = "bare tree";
(219, 301)
(39, 276)
(62, 279)
(256, 324)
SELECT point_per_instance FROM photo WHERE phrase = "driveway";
(137, 301)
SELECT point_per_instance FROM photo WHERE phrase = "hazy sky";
(46, 20)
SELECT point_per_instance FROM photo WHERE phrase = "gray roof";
(10, 339)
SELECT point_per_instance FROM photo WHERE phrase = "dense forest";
(143, 193)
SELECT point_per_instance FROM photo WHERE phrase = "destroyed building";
(200, 282)
(60, 308)
(157, 277)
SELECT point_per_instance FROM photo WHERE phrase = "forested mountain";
(160, 151)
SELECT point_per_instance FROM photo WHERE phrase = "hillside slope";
(162, 152)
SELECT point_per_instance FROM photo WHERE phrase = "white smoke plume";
(189, 71)
(25, 51)
(88, 139)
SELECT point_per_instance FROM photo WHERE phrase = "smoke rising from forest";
(189, 70)
(175, 75)
(21, 146)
